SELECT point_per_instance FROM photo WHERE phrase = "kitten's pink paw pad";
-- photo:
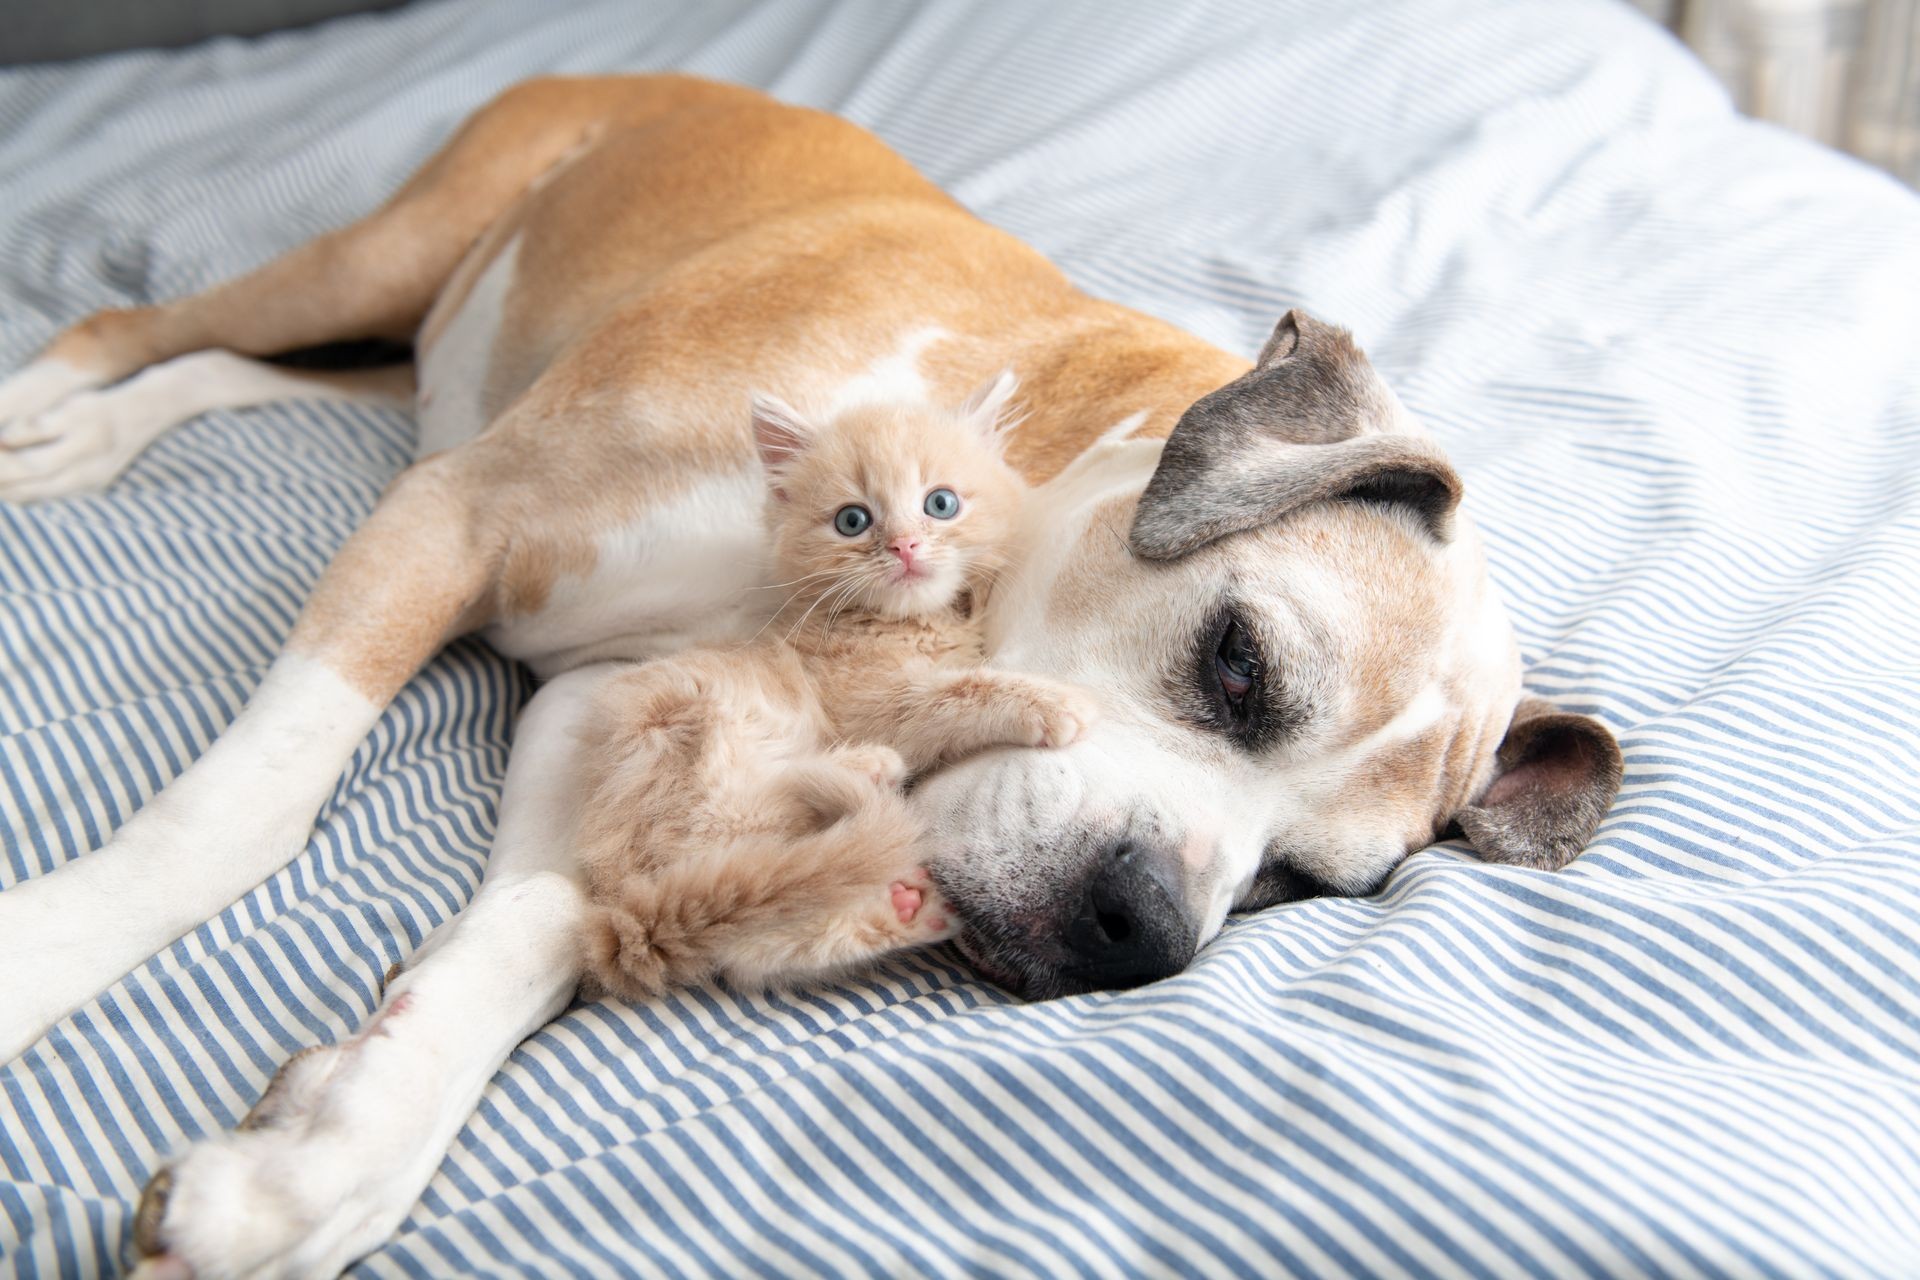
(919, 905)
(907, 901)
(928, 914)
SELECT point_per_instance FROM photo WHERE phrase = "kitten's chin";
(918, 597)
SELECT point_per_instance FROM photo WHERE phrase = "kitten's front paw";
(1059, 716)
(920, 909)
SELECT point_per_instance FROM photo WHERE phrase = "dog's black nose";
(1131, 927)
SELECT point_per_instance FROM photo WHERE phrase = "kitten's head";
(891, 508)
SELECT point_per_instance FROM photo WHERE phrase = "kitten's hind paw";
(920, 907)
(846, 781)
(907, 900)
(883, 765)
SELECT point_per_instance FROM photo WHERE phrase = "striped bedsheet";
(1675, 354)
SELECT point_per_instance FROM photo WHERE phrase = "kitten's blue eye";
(943, 504)
(852, 521)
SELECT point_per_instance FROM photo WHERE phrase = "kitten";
(744, 814)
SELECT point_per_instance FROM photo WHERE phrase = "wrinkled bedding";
(1676, 356)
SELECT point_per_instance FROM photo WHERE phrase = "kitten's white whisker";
(839, 607)
(772, 618)
(840, 604)
(861, 593)
(787, 604)
(795, 628)
(805, 577)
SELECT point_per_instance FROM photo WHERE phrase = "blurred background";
(1846, 72)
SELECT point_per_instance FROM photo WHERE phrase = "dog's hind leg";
(375, 278)
(344, 1140)
(417, 573)
(82, 444)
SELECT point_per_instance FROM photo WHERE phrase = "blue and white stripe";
(1677, 356)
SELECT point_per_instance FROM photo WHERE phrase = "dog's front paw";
(322, 1170)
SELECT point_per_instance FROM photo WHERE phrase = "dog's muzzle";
(1129, 928)
(1118, 923)
(1062, 886)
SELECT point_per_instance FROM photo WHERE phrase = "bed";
(1676, 355)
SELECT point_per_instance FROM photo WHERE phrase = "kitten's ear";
(986, 409)
(779, 432)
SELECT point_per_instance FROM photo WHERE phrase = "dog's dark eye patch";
(1233, 686)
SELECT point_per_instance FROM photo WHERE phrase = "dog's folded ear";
(1201, 493)
(1310, 423)
(1554, 777)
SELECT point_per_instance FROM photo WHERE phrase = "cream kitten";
(744, 815)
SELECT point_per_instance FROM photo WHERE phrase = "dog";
(1263, 572)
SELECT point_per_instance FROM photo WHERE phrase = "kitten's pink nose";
(906, 549)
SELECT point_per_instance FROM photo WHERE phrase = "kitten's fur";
(744, 815)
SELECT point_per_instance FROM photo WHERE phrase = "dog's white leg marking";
(238, 814)
(37, 388)
(83, 443)
(346, 1138)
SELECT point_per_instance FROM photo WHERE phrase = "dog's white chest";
(689, 571)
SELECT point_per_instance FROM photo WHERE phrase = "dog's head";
(1305, 671)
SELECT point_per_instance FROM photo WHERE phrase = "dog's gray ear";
(1320, 351)
(1554, 777)
(1307, 424)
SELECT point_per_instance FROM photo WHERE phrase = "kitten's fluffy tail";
(759, 910)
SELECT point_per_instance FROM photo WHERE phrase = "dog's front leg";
(233, 818)
(346, 1137)
(404, 583)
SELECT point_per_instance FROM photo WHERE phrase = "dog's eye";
(1237, 664)
(1235, 687)
(851, 521)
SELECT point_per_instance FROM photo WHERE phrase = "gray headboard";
(51, 32)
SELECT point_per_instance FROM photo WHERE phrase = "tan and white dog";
(1262, 573)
